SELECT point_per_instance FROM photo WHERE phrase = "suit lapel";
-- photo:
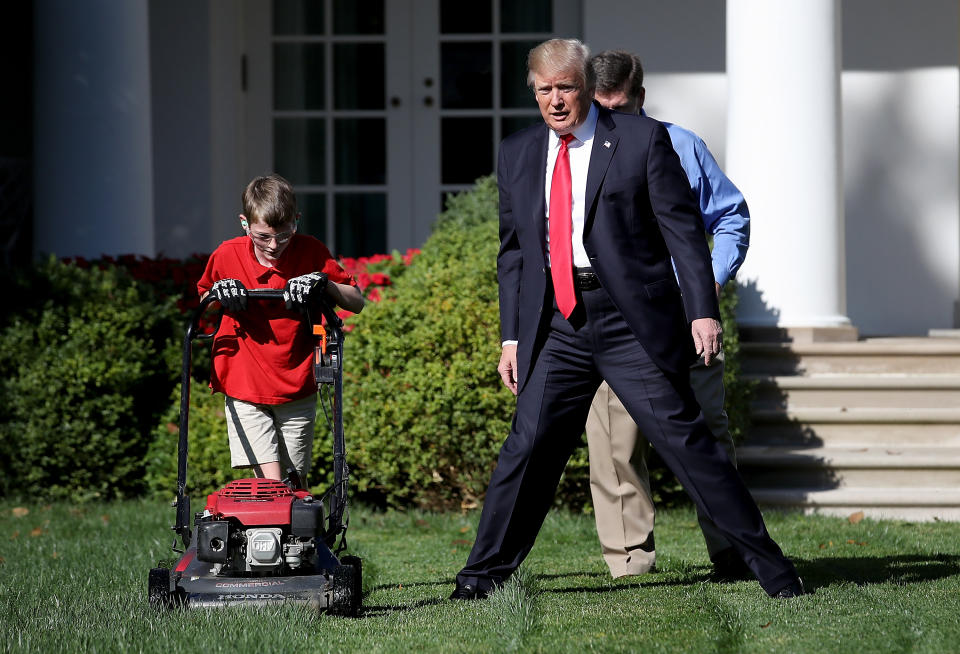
(536, 162)
(604, 145)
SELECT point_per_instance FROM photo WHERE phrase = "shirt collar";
(585, 131)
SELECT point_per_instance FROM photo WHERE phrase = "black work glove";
(231, 293)
(299, 290)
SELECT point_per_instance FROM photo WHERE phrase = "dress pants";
(595, 344)
(620, 482)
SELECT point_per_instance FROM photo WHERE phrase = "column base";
(841, 334)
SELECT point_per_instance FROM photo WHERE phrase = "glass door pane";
(484, 95)
(376, 110)
(329, 118)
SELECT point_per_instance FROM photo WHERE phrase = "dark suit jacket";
(639, 212)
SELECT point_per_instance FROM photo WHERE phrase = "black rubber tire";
(346, 602)
(158, 589)
(357, 565)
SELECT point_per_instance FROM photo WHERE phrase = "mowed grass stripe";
(73, 578)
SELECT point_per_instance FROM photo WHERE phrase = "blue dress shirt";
(725, 213)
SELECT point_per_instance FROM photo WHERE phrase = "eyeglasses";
(280, 238)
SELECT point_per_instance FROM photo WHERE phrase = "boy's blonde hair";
(270, 200)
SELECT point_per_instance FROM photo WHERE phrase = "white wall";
(900, 171)
(901, 111)
(901, 92)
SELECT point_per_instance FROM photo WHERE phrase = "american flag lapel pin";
(606, 144)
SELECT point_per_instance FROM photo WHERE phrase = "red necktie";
(561, 228)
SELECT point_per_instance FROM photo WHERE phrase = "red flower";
(380, 279)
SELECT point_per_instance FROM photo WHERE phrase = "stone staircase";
(871, 425)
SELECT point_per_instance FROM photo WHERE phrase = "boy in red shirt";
(262, 357)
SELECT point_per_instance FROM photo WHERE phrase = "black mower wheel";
(357, 565)
(346, 601)
(158, 589)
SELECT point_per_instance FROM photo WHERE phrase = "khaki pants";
(264, 433)
(619, 480)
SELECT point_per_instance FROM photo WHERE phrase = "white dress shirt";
(579, 149)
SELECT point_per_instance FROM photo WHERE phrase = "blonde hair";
(559, 55)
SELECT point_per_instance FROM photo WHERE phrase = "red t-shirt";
(264, 354)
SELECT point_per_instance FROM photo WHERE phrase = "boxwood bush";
(85, 368)
(425, 409)
(208, 460)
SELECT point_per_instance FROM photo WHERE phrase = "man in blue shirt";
(619, 481)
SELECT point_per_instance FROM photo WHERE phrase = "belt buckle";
(586, 279)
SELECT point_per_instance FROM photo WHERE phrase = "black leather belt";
(585, 279)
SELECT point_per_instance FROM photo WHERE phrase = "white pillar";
(93, 170)
(783, 151)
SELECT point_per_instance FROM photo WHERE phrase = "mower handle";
(334, 324)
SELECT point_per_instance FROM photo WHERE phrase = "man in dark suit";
(592, 207)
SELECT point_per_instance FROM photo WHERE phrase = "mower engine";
(255, 527)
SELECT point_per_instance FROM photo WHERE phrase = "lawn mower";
(263, 541)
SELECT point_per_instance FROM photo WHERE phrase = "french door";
(376, 109)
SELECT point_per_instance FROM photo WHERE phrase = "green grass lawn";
(74, 578)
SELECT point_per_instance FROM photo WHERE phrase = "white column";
(92, 141)
(783, 151)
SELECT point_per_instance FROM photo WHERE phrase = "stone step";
(874, 355)
(905, 503)
(842, 467)
(804, 427)
(856, 391)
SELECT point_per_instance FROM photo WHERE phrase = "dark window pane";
(299, 147)
(313, 214)
(467, 75)
(361, 224)
(298, 76)
(458, 17)
(513, 82)
(467, 149)
(360, 154)
(358, 75)
(526, 16)
(352, 17)
(297, 17)
(511, 124)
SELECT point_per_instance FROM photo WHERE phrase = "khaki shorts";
(264, 433)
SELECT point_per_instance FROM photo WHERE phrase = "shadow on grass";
(654, 580)
(415, 584)
(377, 610)
(900, 569)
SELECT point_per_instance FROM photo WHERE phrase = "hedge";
(85, 368)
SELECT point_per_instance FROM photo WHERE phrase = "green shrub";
(84, 370)
(208, 452)
(425, 412)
